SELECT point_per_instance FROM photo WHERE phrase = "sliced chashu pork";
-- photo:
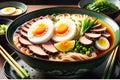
(22, 33)
(106, 35)
(27, 25)
(24, 41)
(48, 46)
(92, 35)
(85, 41)
(37, 50)
(36, 19)
(31, 22)
(24, 28)
(99, 29)
(96, 26)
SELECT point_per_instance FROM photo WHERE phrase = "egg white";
(44, 38)
(70, 35)
(103, 47)
(13, 9)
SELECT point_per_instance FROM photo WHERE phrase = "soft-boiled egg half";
(41, 31)
(8, 10)
(17, 12)
(65, 46)
(65, 29)
(102, 43)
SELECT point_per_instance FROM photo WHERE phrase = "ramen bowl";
(7, 12)
(56, 68)
(114, 14)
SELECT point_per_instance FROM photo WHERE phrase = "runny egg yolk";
(61, 29)
(40, 29)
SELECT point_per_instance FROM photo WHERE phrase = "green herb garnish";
(83, 49)
(86, 24)
(53, 16)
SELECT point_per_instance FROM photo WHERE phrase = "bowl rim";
(23, 11)
(9, 20)
(85, 61)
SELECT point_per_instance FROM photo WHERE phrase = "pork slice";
(96, 26)
(98, 30)
(24, 41)
(47, 17)
(36, 19)
(27, 25)
(23, 34)
(106, 35)
(49, 47)
(37, 50)
(92, 35)
(31, 22)
(44, 17)
(24, 28)
(85, 41)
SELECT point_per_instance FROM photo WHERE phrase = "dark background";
(47, 2)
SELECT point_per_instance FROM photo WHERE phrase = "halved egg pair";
(11, 11)
(43, 30)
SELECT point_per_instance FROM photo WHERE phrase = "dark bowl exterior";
(113, 15)
(13, 4)
(4, 21)
(60, 69)
(3, 39)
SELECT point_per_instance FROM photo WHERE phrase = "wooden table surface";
(36, 7)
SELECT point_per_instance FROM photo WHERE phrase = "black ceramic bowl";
(61, 69)
(15, 4)
(5, 21)
(83, 3)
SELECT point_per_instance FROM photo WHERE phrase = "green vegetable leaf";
(3, 28)
(86, 25)
(102, 6)
(90, 25)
